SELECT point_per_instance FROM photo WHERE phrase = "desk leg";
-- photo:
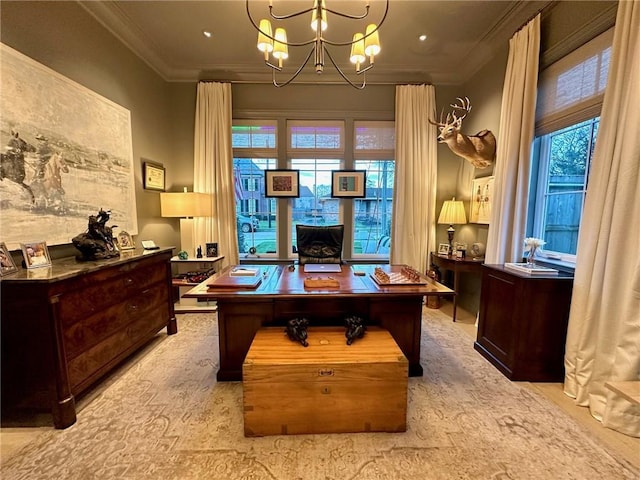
(455, 295)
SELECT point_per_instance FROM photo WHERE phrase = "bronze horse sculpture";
(12, 162)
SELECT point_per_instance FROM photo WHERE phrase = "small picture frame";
(124, 240)
(153, 176)
(36, 254)
(282, 183)
(481, 200)
(212, 249)
(443, 249)
(7, 265)
(348, 183)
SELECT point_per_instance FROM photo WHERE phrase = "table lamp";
(186, 205)
(452, 213)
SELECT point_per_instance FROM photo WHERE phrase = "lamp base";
(450, 232)
(186, 236)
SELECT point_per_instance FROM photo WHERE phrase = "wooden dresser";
(522, 324)
(66, 326)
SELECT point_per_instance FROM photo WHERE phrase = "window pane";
(316, 137)
(564, 166)
(562, 220)
(315, 205)
(257, 224)
(257, 136)
(372, 214)
(374, 136)
(570, 150)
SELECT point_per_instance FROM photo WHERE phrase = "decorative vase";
(531, 261)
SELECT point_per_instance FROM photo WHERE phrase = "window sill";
(564, 266)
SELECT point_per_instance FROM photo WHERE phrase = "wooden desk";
(281, 296)
(457, 265)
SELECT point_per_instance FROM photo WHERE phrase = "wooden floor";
(13, 439)
(626, 446)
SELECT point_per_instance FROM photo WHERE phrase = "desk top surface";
(279, 280)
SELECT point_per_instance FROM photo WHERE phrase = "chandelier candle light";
(364, 46)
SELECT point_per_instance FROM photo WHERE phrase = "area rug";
(164, 416)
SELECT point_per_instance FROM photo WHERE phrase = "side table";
(192, 305)
(456, 265)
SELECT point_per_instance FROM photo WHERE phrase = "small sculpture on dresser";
(296, 330)
(97, 242)
(355, 328)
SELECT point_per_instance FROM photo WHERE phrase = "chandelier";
(364, 46)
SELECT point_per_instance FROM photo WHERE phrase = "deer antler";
(441, 123)
(465, 104)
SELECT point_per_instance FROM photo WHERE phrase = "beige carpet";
(165, 417)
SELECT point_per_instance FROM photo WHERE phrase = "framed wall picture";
(348, 183)
(282, 183)
(36, 254)
(481, 199)
(7, 265)
(89, 140)
(153, 175)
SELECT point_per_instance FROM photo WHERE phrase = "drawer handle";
(325, 372)
(128, 281)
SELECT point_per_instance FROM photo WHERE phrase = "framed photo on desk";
(443, 249)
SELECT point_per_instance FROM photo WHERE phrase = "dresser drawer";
(82, 336)
(94, 298)
(94, 362)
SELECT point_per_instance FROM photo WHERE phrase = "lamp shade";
(265, 43)
(280, 48)
(452, 212)
(186, 204)
(357, 49)
(372, 41)
(314, 16)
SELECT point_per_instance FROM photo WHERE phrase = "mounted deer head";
(479, 149)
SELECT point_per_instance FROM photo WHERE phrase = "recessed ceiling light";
(422, 37)
(207, 33)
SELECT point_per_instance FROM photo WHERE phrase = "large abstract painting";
(66, 153)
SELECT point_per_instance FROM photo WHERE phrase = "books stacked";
(243, 272)
(530, 269)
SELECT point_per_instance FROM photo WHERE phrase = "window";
(562, 183)
(254, 151)
(374, 149)
(315, 148)
(570, 96)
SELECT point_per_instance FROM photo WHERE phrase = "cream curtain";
(603, 339)
(414, 207)
(213, 168)
(513, 155)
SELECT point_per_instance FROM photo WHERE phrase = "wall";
(565, 27)
(64, 37)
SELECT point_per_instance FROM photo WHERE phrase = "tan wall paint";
(62, 36)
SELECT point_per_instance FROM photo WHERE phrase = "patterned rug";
(163, 416)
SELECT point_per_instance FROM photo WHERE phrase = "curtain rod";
(542, 12)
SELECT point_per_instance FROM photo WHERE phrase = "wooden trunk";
(327, 387)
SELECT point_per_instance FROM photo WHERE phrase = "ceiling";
(461, 37)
